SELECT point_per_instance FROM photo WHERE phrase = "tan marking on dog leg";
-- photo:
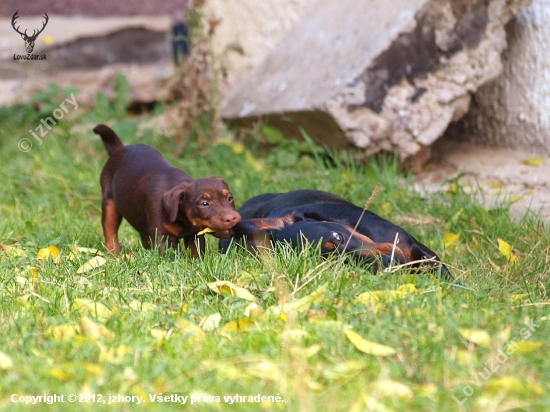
(173, 229)
(110, 220)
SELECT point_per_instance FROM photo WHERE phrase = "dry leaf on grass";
(238, 325)
(50, 252)
(91, 264)
(98, 309)
(5, 362)
(189, 330)
(533, 161)
(227, 288)
(506, 250)
(210, 322)
(450, 240)
(478, 336)
(12, 250)
(368, 347)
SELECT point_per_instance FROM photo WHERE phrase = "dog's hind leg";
(110, 220)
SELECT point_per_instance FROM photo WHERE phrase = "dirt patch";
(492, 173)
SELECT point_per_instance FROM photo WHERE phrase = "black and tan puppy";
(163, 203)
(271, 213)
(333, 237)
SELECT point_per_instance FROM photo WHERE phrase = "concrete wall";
(376, 75)
(254, 25)
(514, 110)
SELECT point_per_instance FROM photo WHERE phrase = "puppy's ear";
(171, 200)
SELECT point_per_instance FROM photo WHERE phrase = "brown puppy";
(161, 202)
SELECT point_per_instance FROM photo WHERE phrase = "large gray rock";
(375, 74)
(514, 110)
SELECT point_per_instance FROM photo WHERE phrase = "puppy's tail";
(110, 139)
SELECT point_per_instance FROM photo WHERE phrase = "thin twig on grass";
(369, 201)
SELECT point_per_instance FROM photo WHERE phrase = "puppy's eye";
(230, 199)
(339, 238)
(204, 203)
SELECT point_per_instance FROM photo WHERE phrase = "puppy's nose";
(231, 218)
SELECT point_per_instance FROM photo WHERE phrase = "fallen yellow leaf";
(512, 385)
(210, 322)
(50, 252)
(91, 264)
(265, 369)
(406, 289)
(61, 374)
(34, 271)
(380, 296)
(5, 362)
(23, 300)
(533, 161)
(62, 332)
(515, 198)
(506, 250)
(373, 297)
(300, 305)
(78, 250)
(93, 330)
(504, 334)
(207, 230)
(12, 250)
(453, 188)
(238, 325)
(227, 288)
(306, 353)
(450, 240)
(365, 346)
(253, 310)
(344, 370)
(519, 297)
(93, 370)
(158, 334)
(366, 402)
(88, 250)
(141, 306)
(238, 148)
(388, 387)
(464, 357)
(189, 330)
(478, 336)
(113, 355)
(101, 311)
(526, 347)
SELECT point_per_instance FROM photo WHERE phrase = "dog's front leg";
(197, 245)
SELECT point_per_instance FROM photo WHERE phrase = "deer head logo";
(29, 40)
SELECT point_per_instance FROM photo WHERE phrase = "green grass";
(144, 335)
